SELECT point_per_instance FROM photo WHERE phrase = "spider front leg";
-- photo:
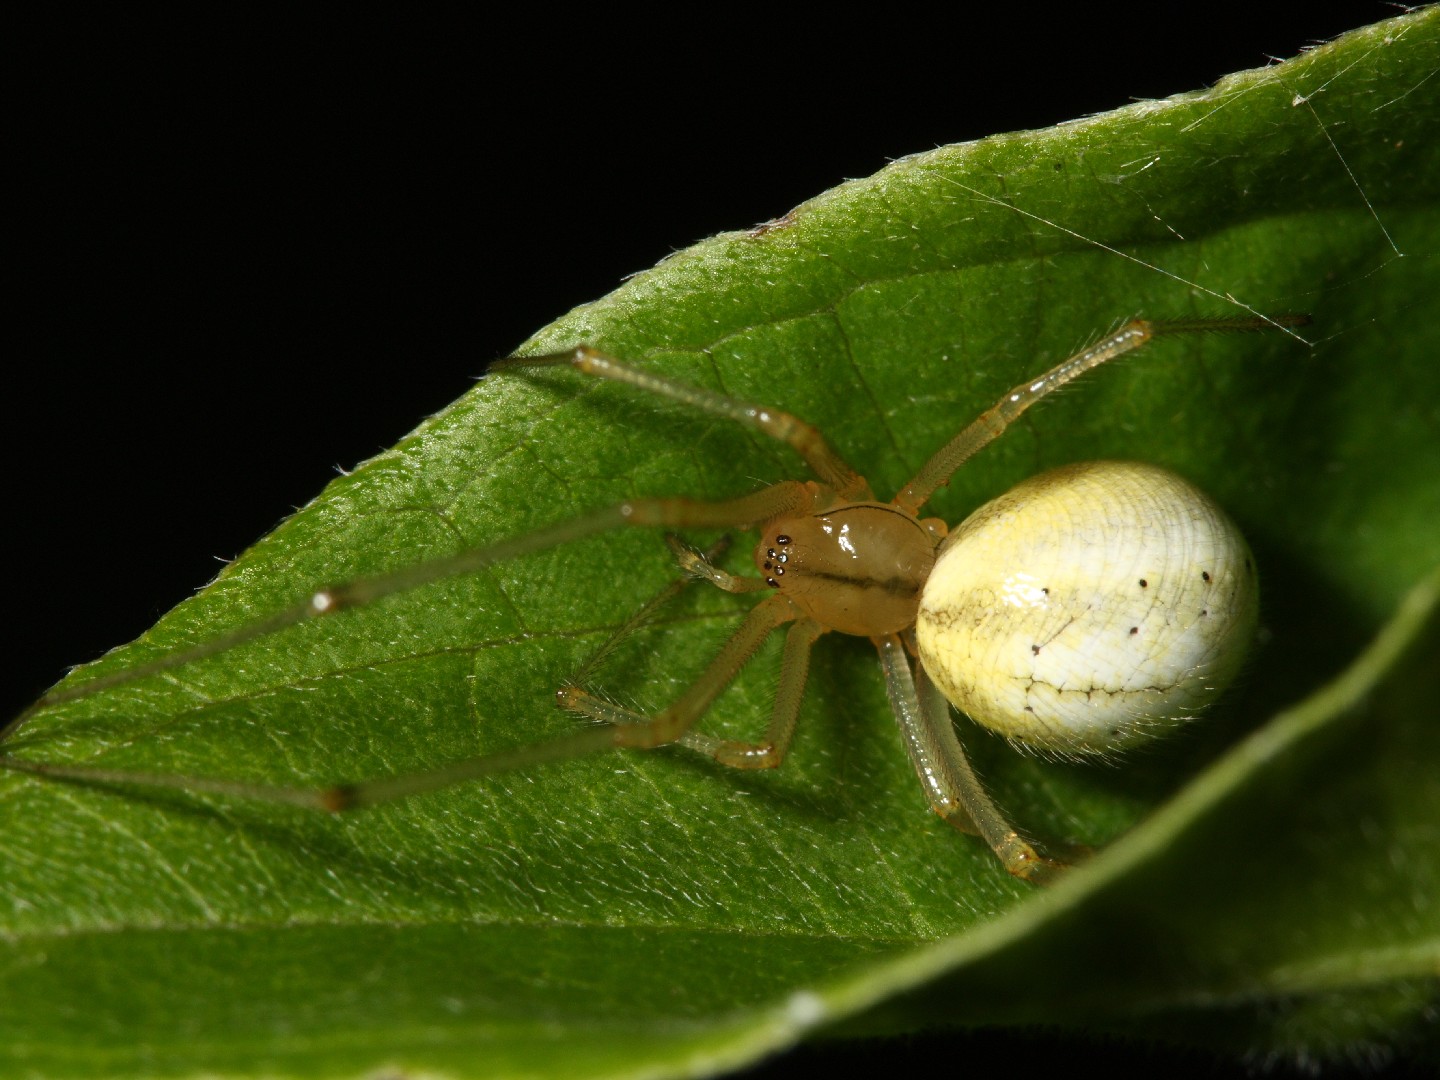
(828, 466)
(788, 497)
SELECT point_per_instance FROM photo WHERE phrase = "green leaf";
(1275, 892)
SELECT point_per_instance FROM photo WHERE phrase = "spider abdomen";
(1089, 607)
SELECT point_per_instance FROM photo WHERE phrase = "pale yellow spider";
(1090, 607)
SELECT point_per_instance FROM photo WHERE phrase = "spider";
(1092, 607)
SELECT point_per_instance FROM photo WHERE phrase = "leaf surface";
(1275, 889)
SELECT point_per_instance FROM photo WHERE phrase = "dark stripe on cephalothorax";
(895, 586)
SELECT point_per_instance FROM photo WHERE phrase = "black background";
(264, 252)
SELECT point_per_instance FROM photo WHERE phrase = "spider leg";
(950, 783)
(795, 665)
(828, 466)
(629, 731)
(626, 730)
(787, 497)
(674, 724)
(990, 424)
(789, 692)
(688, 559)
